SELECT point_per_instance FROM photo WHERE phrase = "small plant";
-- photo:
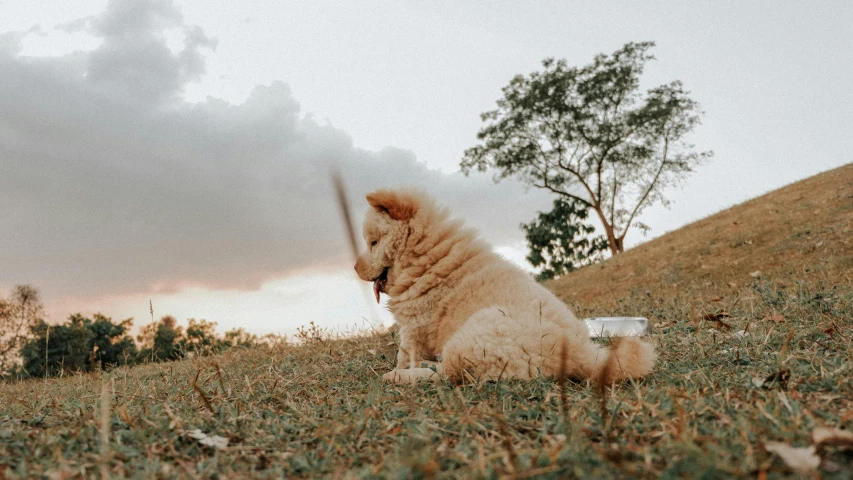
(311, 334)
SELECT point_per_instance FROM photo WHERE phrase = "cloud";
(134, 57)
(110, 182)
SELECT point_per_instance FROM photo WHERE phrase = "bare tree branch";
(650, 187)
(564, 193)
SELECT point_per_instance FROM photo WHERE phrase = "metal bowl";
(618, 326)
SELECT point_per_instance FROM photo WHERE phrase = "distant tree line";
(30, 347)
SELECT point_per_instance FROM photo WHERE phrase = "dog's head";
(386, 229)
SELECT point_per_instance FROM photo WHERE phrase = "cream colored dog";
(458, 302)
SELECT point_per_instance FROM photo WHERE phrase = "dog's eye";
(373, 243)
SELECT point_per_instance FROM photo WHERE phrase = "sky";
(179, 151)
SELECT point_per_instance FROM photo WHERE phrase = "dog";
(478, 316)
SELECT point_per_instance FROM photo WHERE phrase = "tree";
(560, 241)
(238, 337)
(161, 340)
(81, 344)
(18, 314)
(110, 344)
(64, 348)
(201, 338)
(588, 134)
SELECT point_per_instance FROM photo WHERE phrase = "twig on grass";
(561, 382)
(201, 393)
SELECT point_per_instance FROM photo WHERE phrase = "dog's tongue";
(376, 289)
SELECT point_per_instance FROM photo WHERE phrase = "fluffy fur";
(458, 302)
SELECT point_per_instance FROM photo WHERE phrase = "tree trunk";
(614, 243)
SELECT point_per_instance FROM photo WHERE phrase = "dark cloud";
(111, 183)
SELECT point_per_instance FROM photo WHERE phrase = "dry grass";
(744, 362)
(806, 227)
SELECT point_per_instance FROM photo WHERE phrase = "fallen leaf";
(800, 459)
(832, 436)
(732, 284)
(716, 299)
(774, 318)
(214, 441)
(717, 317)
(741, 334)
(755, 274)
(779, 378)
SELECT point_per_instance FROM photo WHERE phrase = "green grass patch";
(775, 368)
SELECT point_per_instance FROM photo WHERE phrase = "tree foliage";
(238, 337)
(201, 338)
(589, 134)
(560, 241)
(165, 340)
(52, 349)
(111, 343)
(161, 341)
(81, 344)
(18, 314)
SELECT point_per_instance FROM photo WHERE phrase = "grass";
(804, 228)
(744, 361)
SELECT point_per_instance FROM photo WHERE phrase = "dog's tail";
(628, 357)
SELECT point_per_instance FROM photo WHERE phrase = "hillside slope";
(803, 228)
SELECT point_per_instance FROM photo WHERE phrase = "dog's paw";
(411, 375)
(434, 366)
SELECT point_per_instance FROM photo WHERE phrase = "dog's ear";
(398, 205)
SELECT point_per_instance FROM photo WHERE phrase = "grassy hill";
(805, 228)
(745, 361)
